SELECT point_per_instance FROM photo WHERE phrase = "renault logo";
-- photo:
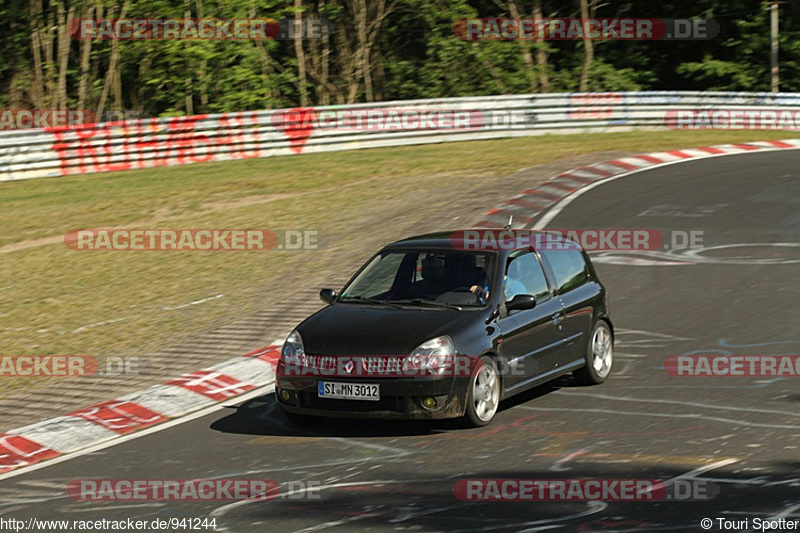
(348, 366)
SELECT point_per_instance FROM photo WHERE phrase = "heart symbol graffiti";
(297, 124)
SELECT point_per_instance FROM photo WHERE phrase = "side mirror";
(520, 302)
(327, 295)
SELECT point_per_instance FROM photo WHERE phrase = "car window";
(440, 276)
(569, 268)
(524, 275)
(480, 261)
(376, 279)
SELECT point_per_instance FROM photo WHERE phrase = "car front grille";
(380, 364)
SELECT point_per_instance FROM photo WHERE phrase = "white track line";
(554, 211)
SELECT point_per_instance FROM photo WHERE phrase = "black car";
(435, 327)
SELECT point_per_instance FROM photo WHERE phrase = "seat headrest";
(433, 268)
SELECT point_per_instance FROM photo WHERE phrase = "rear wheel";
(599, 356)
(483, 396)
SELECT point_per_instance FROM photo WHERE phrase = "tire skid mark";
(685, 404)
(663, 415)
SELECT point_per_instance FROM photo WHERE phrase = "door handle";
(557, 318)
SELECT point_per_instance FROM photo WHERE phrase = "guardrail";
(147, 143)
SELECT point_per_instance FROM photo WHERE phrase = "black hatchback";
(447, 325)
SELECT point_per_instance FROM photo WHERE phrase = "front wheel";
(599, 356)
(483, 396)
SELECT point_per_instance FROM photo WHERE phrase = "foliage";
(377, 50)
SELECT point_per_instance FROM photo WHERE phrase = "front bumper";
(400, 398)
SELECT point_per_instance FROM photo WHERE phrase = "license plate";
(348, 391)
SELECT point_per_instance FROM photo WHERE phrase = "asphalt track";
(743, 434)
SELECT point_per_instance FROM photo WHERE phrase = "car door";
(531, 338)
(575, 293)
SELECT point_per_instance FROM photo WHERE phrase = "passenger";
(512, 283)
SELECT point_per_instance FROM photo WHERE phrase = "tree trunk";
(300, 53)
(323, 64)
(524, 47)
(46, 40)
(202, 71)
(325, 60)
(588, 50)
(113, 68)
(541, 51)
(188, 81)
(86, 53)
(37, 87)
(267, 66)
(63, 53)
(360, 16)
(369, 17)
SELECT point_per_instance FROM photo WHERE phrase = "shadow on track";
(426, 502)
(262, 416)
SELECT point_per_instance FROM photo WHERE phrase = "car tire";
(599, 356)
(481, 409)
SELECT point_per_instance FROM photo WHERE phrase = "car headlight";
(438, 346)
(434, 356)
(293, 348)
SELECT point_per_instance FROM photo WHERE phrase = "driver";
(433, 277)
(478, 282)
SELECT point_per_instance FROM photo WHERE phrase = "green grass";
(47, 292)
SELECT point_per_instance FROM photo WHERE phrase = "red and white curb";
(529, 204)
(105, 421)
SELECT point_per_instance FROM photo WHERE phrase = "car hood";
(350, 329)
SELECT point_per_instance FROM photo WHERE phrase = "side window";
(524, 275)
(569, 268)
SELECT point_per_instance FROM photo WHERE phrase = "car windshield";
(424, 277)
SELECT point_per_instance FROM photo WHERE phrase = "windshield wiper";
(363, 299)
(428, 303)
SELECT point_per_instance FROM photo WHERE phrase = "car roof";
(450, 239)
